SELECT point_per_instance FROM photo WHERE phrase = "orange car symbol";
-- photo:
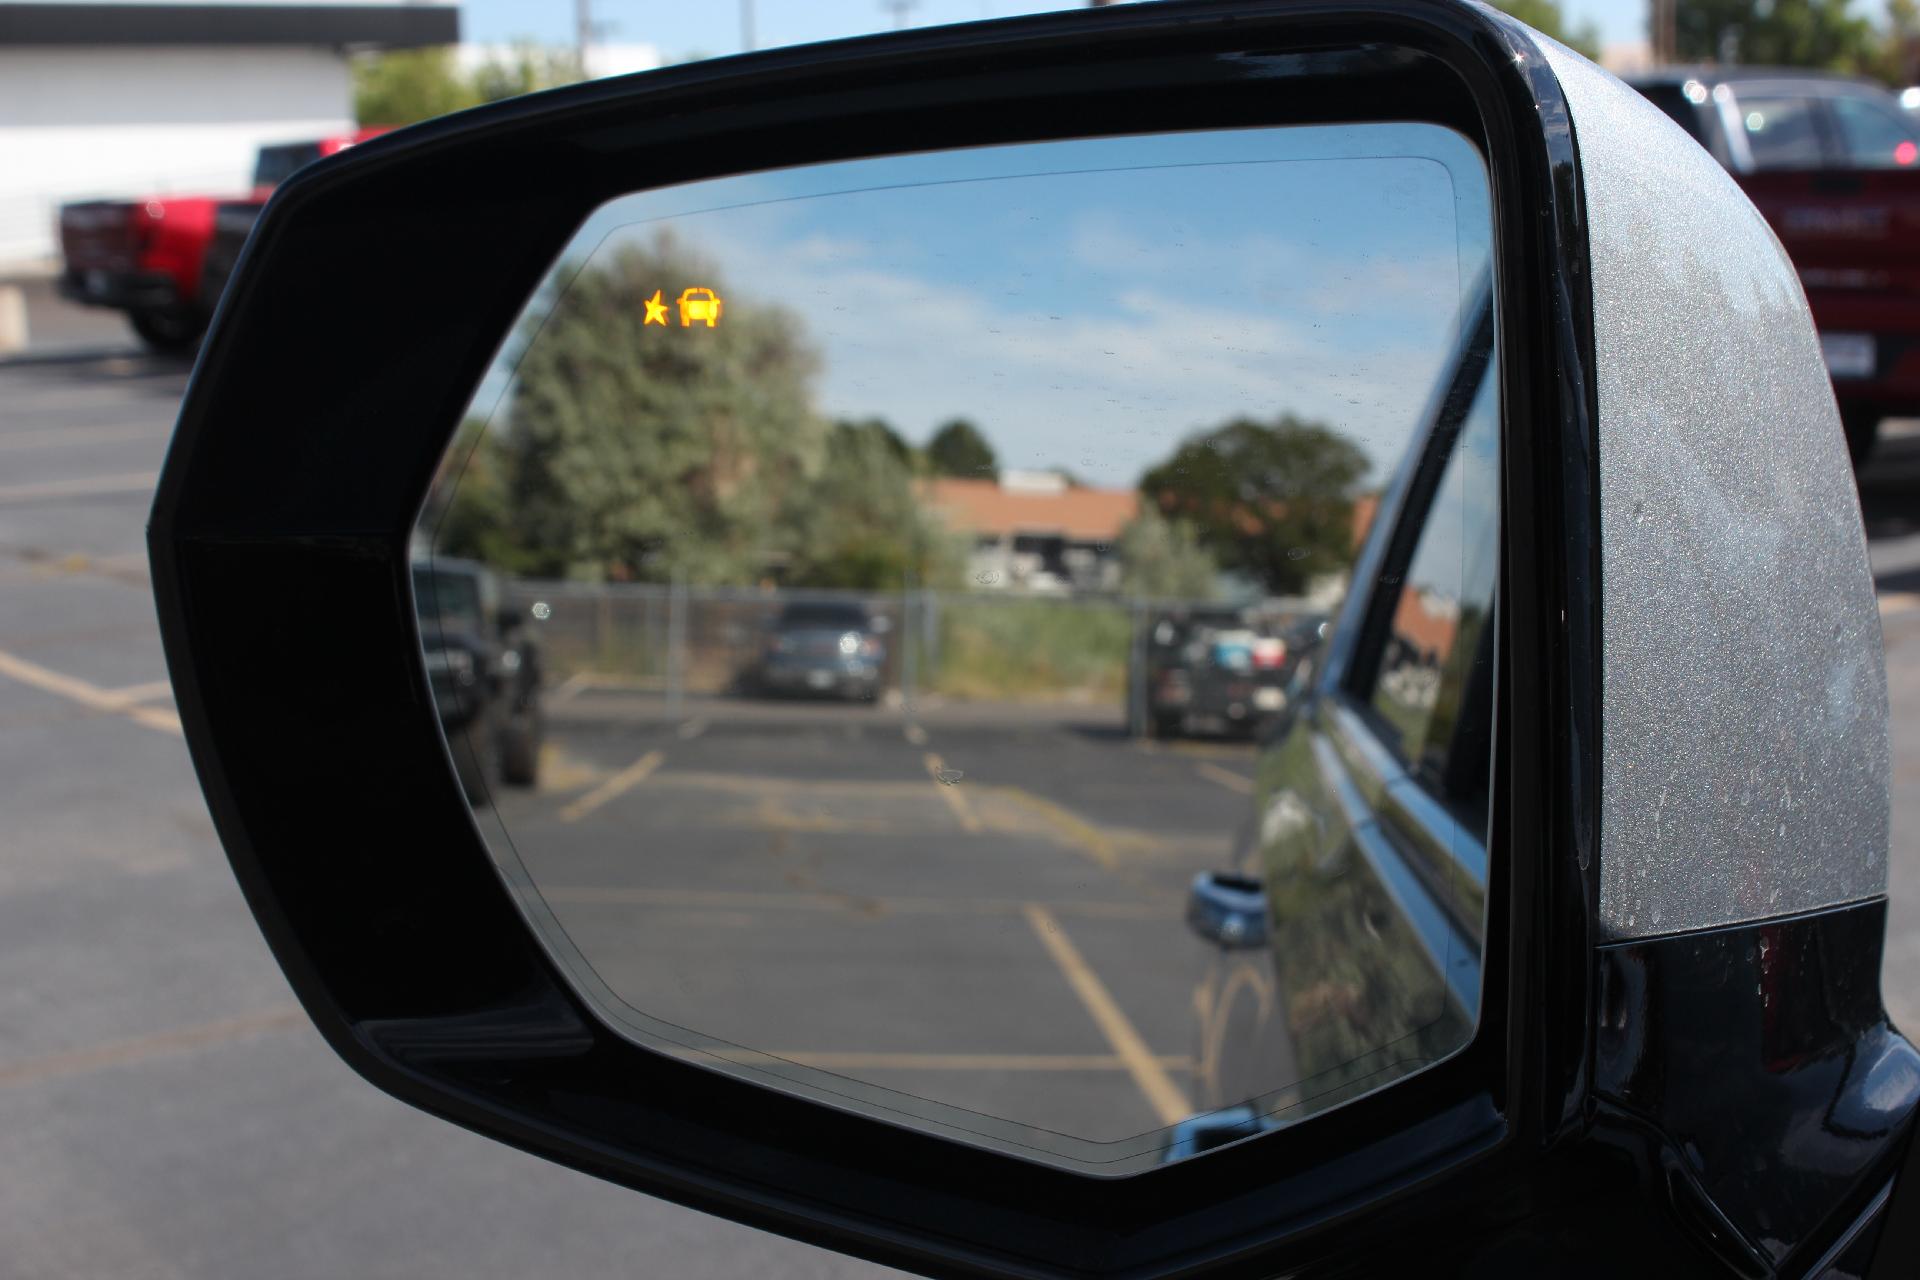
(699, 304)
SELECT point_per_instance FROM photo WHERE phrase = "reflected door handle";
(1228, 910)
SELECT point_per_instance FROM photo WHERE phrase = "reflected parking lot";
(978, 903)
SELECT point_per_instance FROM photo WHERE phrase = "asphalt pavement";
(167, 1111)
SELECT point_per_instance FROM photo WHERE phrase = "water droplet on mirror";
(949, 776)
(542, 610)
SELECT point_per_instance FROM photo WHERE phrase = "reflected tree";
(1273, 500)
(859, 525)
(636, 451)
(958, 449)
(1162, 559)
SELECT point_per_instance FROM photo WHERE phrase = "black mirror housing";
(290, 548)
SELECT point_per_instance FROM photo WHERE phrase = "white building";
(158, 96)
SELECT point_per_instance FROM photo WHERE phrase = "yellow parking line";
(1164, 907)
(1225, 777)
(181, 1040)
(1149, 1076)
(142, 692)
(80, 487)
(950, 792)
(619, 784)
(960, 1061)
(54, 436)
(88, 695)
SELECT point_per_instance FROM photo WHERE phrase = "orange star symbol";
(656, 311)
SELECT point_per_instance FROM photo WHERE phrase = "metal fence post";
(1137, 670)
(676, 641)
(909, 686)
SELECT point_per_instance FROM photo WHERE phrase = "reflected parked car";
(1212, 670)
(484, 670)
(824, 648)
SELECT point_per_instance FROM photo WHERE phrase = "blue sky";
(1091, 303)
(713, 26)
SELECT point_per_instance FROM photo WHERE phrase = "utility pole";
(1663, 29)
(900, 9)
(746, 26)
(582, 32)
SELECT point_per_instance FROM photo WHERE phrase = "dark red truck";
(1834, 165)
(148, 257)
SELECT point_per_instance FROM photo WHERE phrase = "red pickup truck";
(145, 257)
(1834, 166)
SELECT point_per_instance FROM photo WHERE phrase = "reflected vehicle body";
(1350, 925)
(824, 649)
(484, 670)
(1215, 670)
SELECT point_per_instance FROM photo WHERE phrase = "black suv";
(485, 672)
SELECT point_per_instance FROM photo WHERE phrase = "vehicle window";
(1874, 134)
(274, 165)
(922, 554)
(1672, 99)
(1430, 697)
(446, 598)
(1781, 131)
(824, 615)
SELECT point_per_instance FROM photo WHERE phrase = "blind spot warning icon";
(697, 305)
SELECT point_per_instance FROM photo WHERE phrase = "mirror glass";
(998, 639)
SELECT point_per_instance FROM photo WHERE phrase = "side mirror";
(1229, 911)
(1034, 332)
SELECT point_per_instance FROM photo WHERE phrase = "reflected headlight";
(850, 643)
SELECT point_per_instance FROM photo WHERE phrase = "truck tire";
(1863, 429)
(520, 749)
(168, 331)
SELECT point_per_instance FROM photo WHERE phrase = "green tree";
(1545, 16)
(1273, 500)
(528, 67)
(405, 86)
(1895, 61)
(1790, 33)
(637, 451)
(1162, 559)
(408, 85)
(958, 449)
(859, 524)
(883, 433)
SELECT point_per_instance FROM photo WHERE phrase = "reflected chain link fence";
(678, 641)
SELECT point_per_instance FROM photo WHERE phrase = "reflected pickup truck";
(147, 256)
(1834, 165)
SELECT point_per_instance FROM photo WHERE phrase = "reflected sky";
(1090, 303)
